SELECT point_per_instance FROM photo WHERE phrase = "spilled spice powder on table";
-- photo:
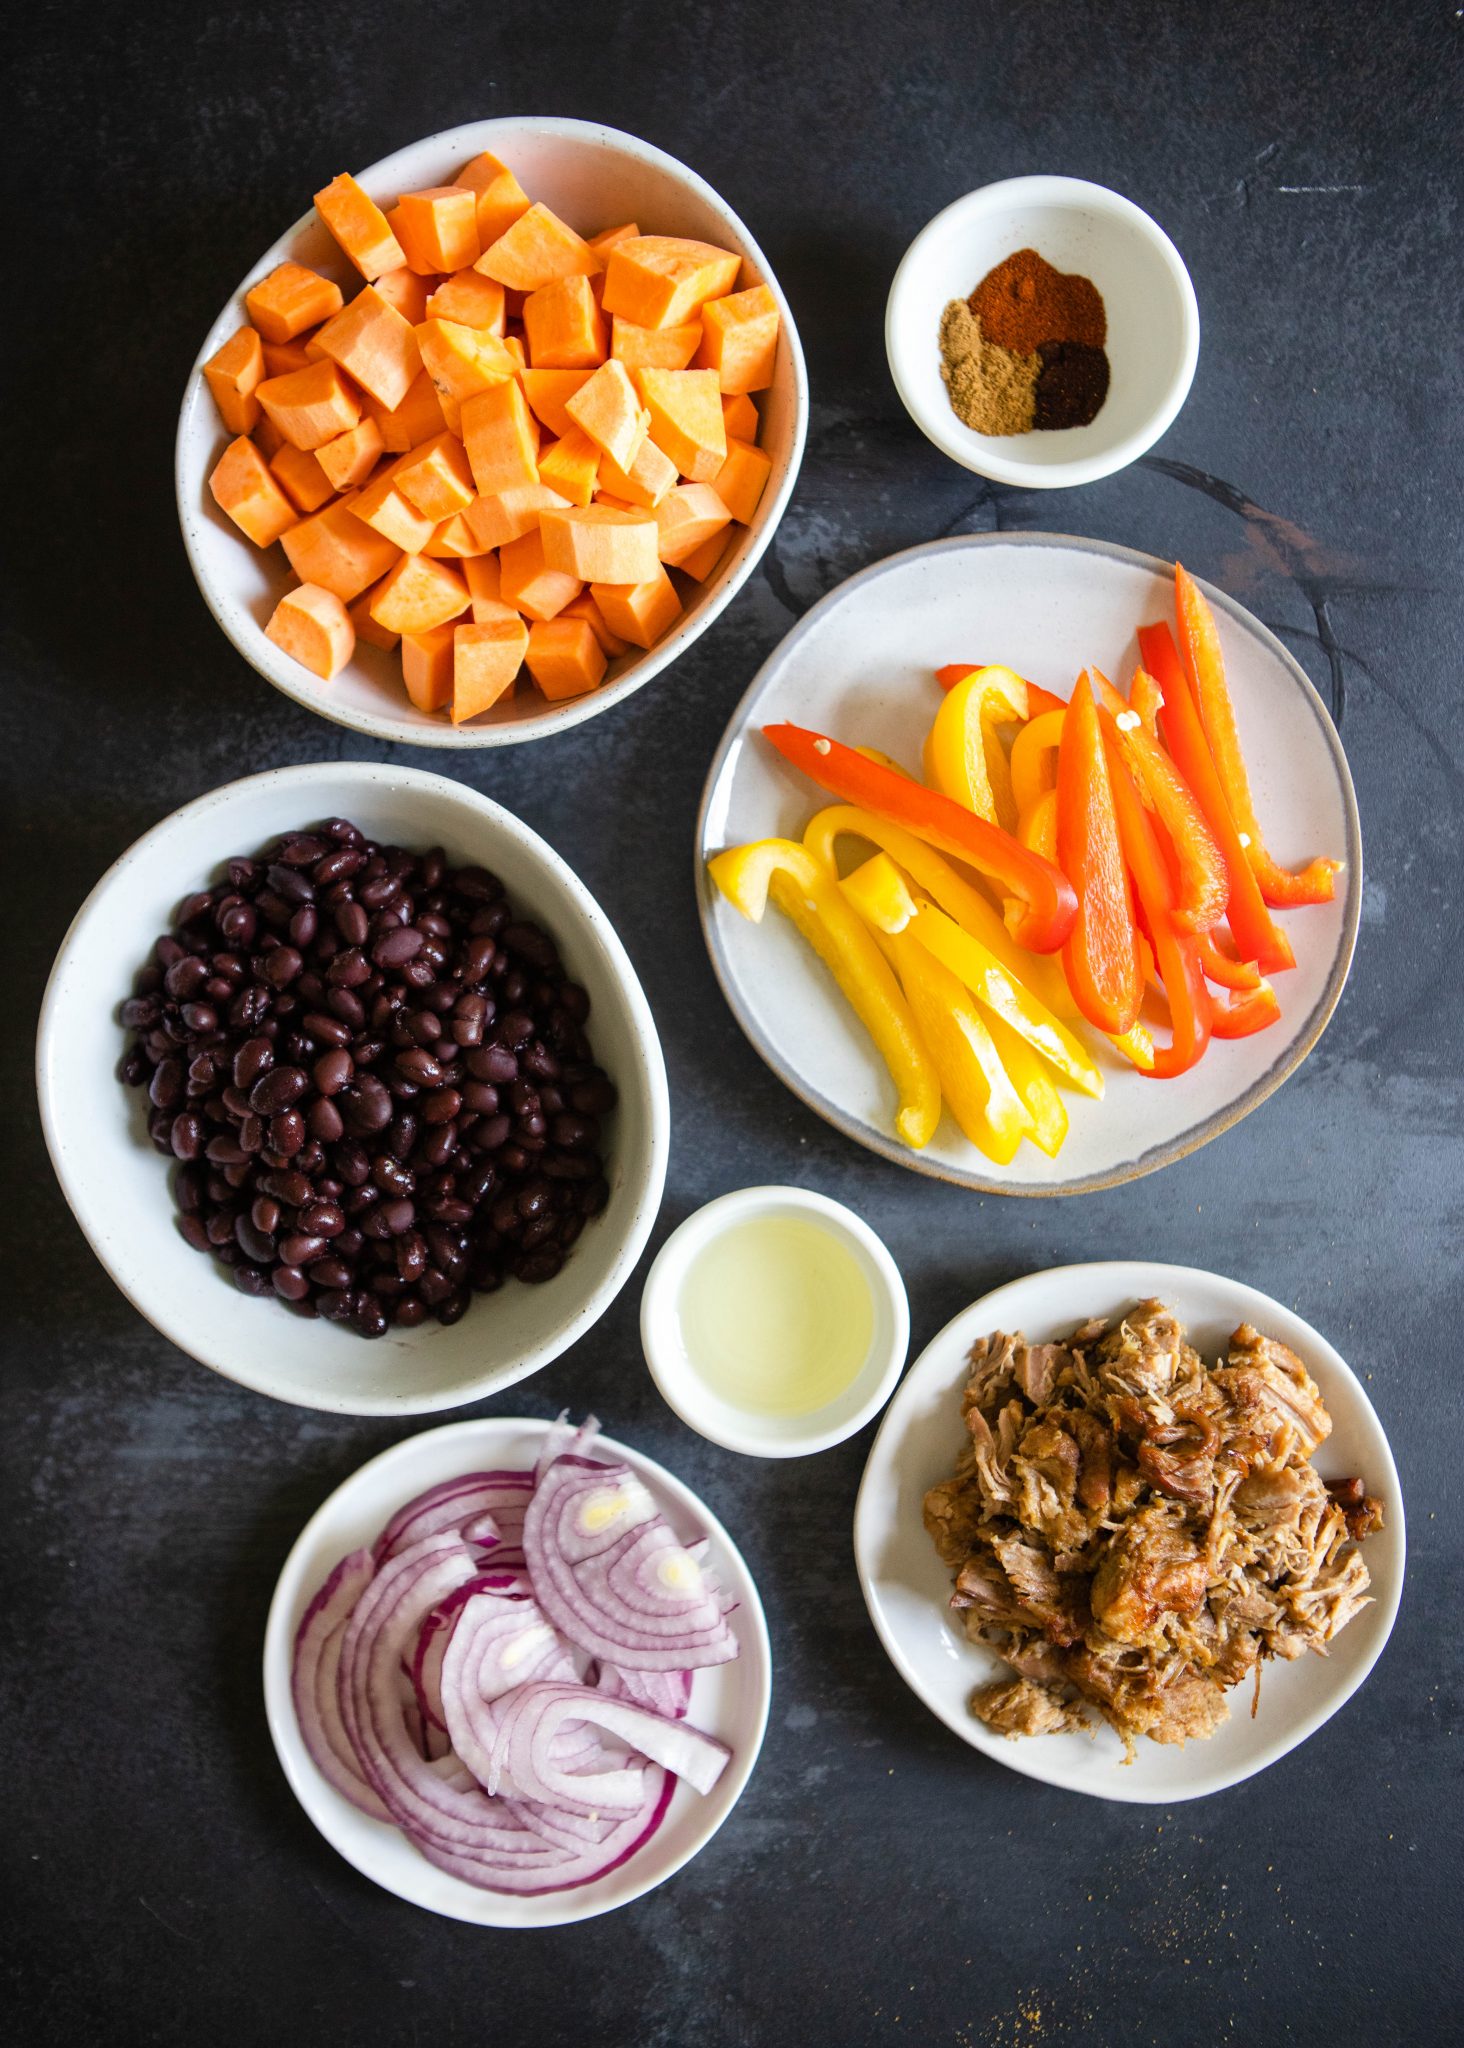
(1026, 350)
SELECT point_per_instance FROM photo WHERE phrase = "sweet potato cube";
(563, 327)
(311, 625)
(453, 539)
(496, 520)
(359, 612)
(337, 550)
(608, 237)
(427, 667)
(280, 357)
(740, 339)
(406, 291)
(383, 508)
(584, 607)
(417, 594)
(469, 298)
(685, 518)
(301, 478)
(416, 419)
(360, 226)
(739, 412)
(538, 248)
(700, 563)
(548, 391)
(571, 466)
(740, 482)
(435, 478)
(234, 373)
(291, 299)
(638, 612)
(645, 483)
(310, 406)
(664, 280)
(243, 487)
(481, 575)
(374, 344)
(350, 458)
(501, 200)
(487, 657)
(686, 419)
(526, 581)
(654, 348)
(601, 544)
(438, 228)
(502, 441)
(267, 437)
(462, 361)
(564, 657)
(609, 410)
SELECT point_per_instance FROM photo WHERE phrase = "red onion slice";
(456, 1501)
(312, 1683)
(664, 1692)
(532, 1716)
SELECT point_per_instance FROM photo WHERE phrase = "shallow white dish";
(729, 1701)
(860, 667)
(119, 1187)
(594, 177)
(907, 1588)
(741, 1429)
(1153, 323)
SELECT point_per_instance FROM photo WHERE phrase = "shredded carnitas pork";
(1134, 1530)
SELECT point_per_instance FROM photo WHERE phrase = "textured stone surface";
(879, 1881)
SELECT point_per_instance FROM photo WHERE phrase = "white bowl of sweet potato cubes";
(491, 435)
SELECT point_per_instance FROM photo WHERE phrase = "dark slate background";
(879, 1881)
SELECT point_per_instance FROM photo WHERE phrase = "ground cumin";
(991, 390)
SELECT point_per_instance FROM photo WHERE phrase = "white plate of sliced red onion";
(516, 1673)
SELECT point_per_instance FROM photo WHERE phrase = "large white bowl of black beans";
(353, 1089)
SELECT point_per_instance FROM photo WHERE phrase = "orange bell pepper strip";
(1203, 884)
(1045, 906)
(1146, 697)
(1222, 967)
(1257, 936)
(1241, 1016)
(1034, 762)
(1101, 955)
(1199, 642)
(1175, 952)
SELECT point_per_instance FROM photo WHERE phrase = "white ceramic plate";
(595, 177)
(729, 1701)
(907, 1588)
(860, 667)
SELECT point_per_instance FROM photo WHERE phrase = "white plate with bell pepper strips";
(1030, 862)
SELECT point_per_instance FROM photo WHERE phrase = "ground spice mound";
(1071, 384)
(991, 389)
(1024, 303)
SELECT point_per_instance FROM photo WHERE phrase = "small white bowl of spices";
(775, 1322)
(1042, 332)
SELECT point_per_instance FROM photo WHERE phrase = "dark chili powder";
(1072, 384)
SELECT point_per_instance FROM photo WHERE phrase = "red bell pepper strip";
(1205, 665)
(1203, 883)
(957, 671)
(1223, 967)
(1175, 952)
(1257, 936)
(1045, 906)
(1242, 1016)
(1101, 957)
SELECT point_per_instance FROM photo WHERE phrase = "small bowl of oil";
(775, 1322)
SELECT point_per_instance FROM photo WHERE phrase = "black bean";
(255, 1244)
(186, 1136)
(325, 1120)
(369, 1316)
(165, 1090)
(408, 1311)
(299, 1248)
(330, 1273)
(277, 1089)
(265, 1214)
(250, 1279)
(366, 1106)
(194, 1232)
(287, 1133)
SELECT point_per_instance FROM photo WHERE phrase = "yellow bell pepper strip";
(1033, 1081)
(1223, 967)
(1038, 699)
(1034, 762)
(804, 892)
(1203, 886)
(1100, 957)
(1199, 642)
(964, 757)
(1175, 953)
(955, 895)
(1242, 1016)
(1045, 907)
(977, 1088)
(1257, 935)
(1038, 830)
(989, 981)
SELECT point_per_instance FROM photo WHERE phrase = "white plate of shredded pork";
(1132, 1529)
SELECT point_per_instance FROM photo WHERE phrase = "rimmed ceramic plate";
(907, 1588)
(860, 666)
(729, 1701)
